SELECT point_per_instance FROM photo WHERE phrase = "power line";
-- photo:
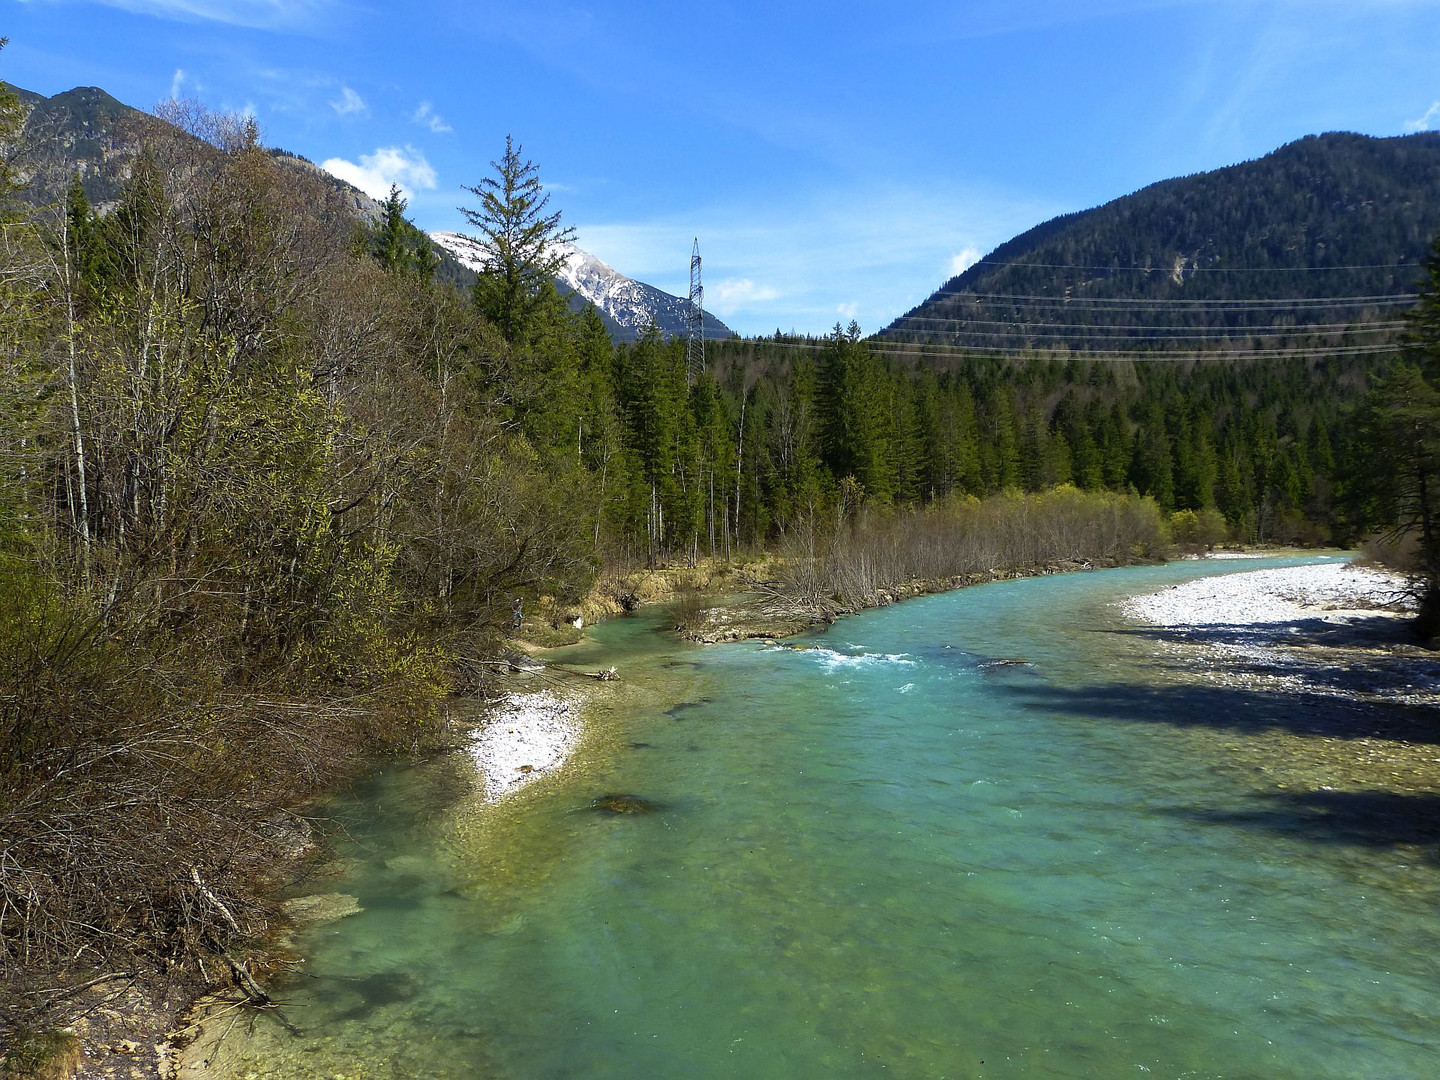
(1194, 269)
(1117, 336)
(1137, 357)
(933, 349)
(1079, 302)
(1219, 331)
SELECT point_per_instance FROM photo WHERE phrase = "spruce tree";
(390, 244)
(522, 244)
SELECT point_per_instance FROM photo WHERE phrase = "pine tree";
(1005, 425)
(523, 245)
(398, 245)
(1422, 336)
(1398, 437)
(391, 245)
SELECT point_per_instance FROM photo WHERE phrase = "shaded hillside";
(1317, 243)
(84, 130)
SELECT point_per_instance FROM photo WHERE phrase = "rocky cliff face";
(83, 130)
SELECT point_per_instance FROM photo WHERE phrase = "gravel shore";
(1328, 628)
(529, 736)
(1336, 592)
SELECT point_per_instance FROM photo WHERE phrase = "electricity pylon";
(695, 320)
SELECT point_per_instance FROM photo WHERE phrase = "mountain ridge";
(1323, 218)
(86, 130)
(628, 306)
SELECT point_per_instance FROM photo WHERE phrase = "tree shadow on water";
(1368, 818)
(1375, 630)
(1238, 709)
(1304, 650)
(1380, 819)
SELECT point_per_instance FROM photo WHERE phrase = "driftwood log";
(243, 979)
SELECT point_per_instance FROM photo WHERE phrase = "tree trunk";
(73, 386)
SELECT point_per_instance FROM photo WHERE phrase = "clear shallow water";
(877, 854)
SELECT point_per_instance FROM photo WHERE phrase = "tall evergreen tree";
(391, 244)
(523, 245)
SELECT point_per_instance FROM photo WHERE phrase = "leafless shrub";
(864, 561)
(138, 795)
(686, 610)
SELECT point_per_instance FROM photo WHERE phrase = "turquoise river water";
(878, 854)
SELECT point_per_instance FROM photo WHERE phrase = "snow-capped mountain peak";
(627, 306)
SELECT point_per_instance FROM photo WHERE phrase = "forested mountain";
(87, 132)
(83, 130)
(1317, 243)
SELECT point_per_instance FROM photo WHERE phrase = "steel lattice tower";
(695, 320)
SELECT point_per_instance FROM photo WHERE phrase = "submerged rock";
(386, 987)
(321, 907)
(623, 804)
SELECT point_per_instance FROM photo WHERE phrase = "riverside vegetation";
(265, 482)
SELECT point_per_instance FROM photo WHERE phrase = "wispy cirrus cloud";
(260, 14)
(403, 166)
(349, 102)
(426, 116)
(1426, 122)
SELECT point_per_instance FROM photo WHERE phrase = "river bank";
(1330, 689)
(526, 736)
(1080, 806)
(1218, 620)
(765, 613)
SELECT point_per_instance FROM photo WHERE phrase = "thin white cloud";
(348, 103)
(262, 14)
(427, 117)
(177, 83)
(402, 165)
(962, 262)
(736, 294)
(1426, 122)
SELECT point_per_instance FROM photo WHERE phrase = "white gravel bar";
(1331, 591)
(529, 736)
(1326, 629)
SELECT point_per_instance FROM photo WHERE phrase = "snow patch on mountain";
(627, 305)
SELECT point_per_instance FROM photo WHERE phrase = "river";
(875, 852)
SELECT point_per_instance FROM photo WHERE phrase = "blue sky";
(836, 160)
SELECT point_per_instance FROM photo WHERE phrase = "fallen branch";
(67, 991)
(243, 978)
(214, 900)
